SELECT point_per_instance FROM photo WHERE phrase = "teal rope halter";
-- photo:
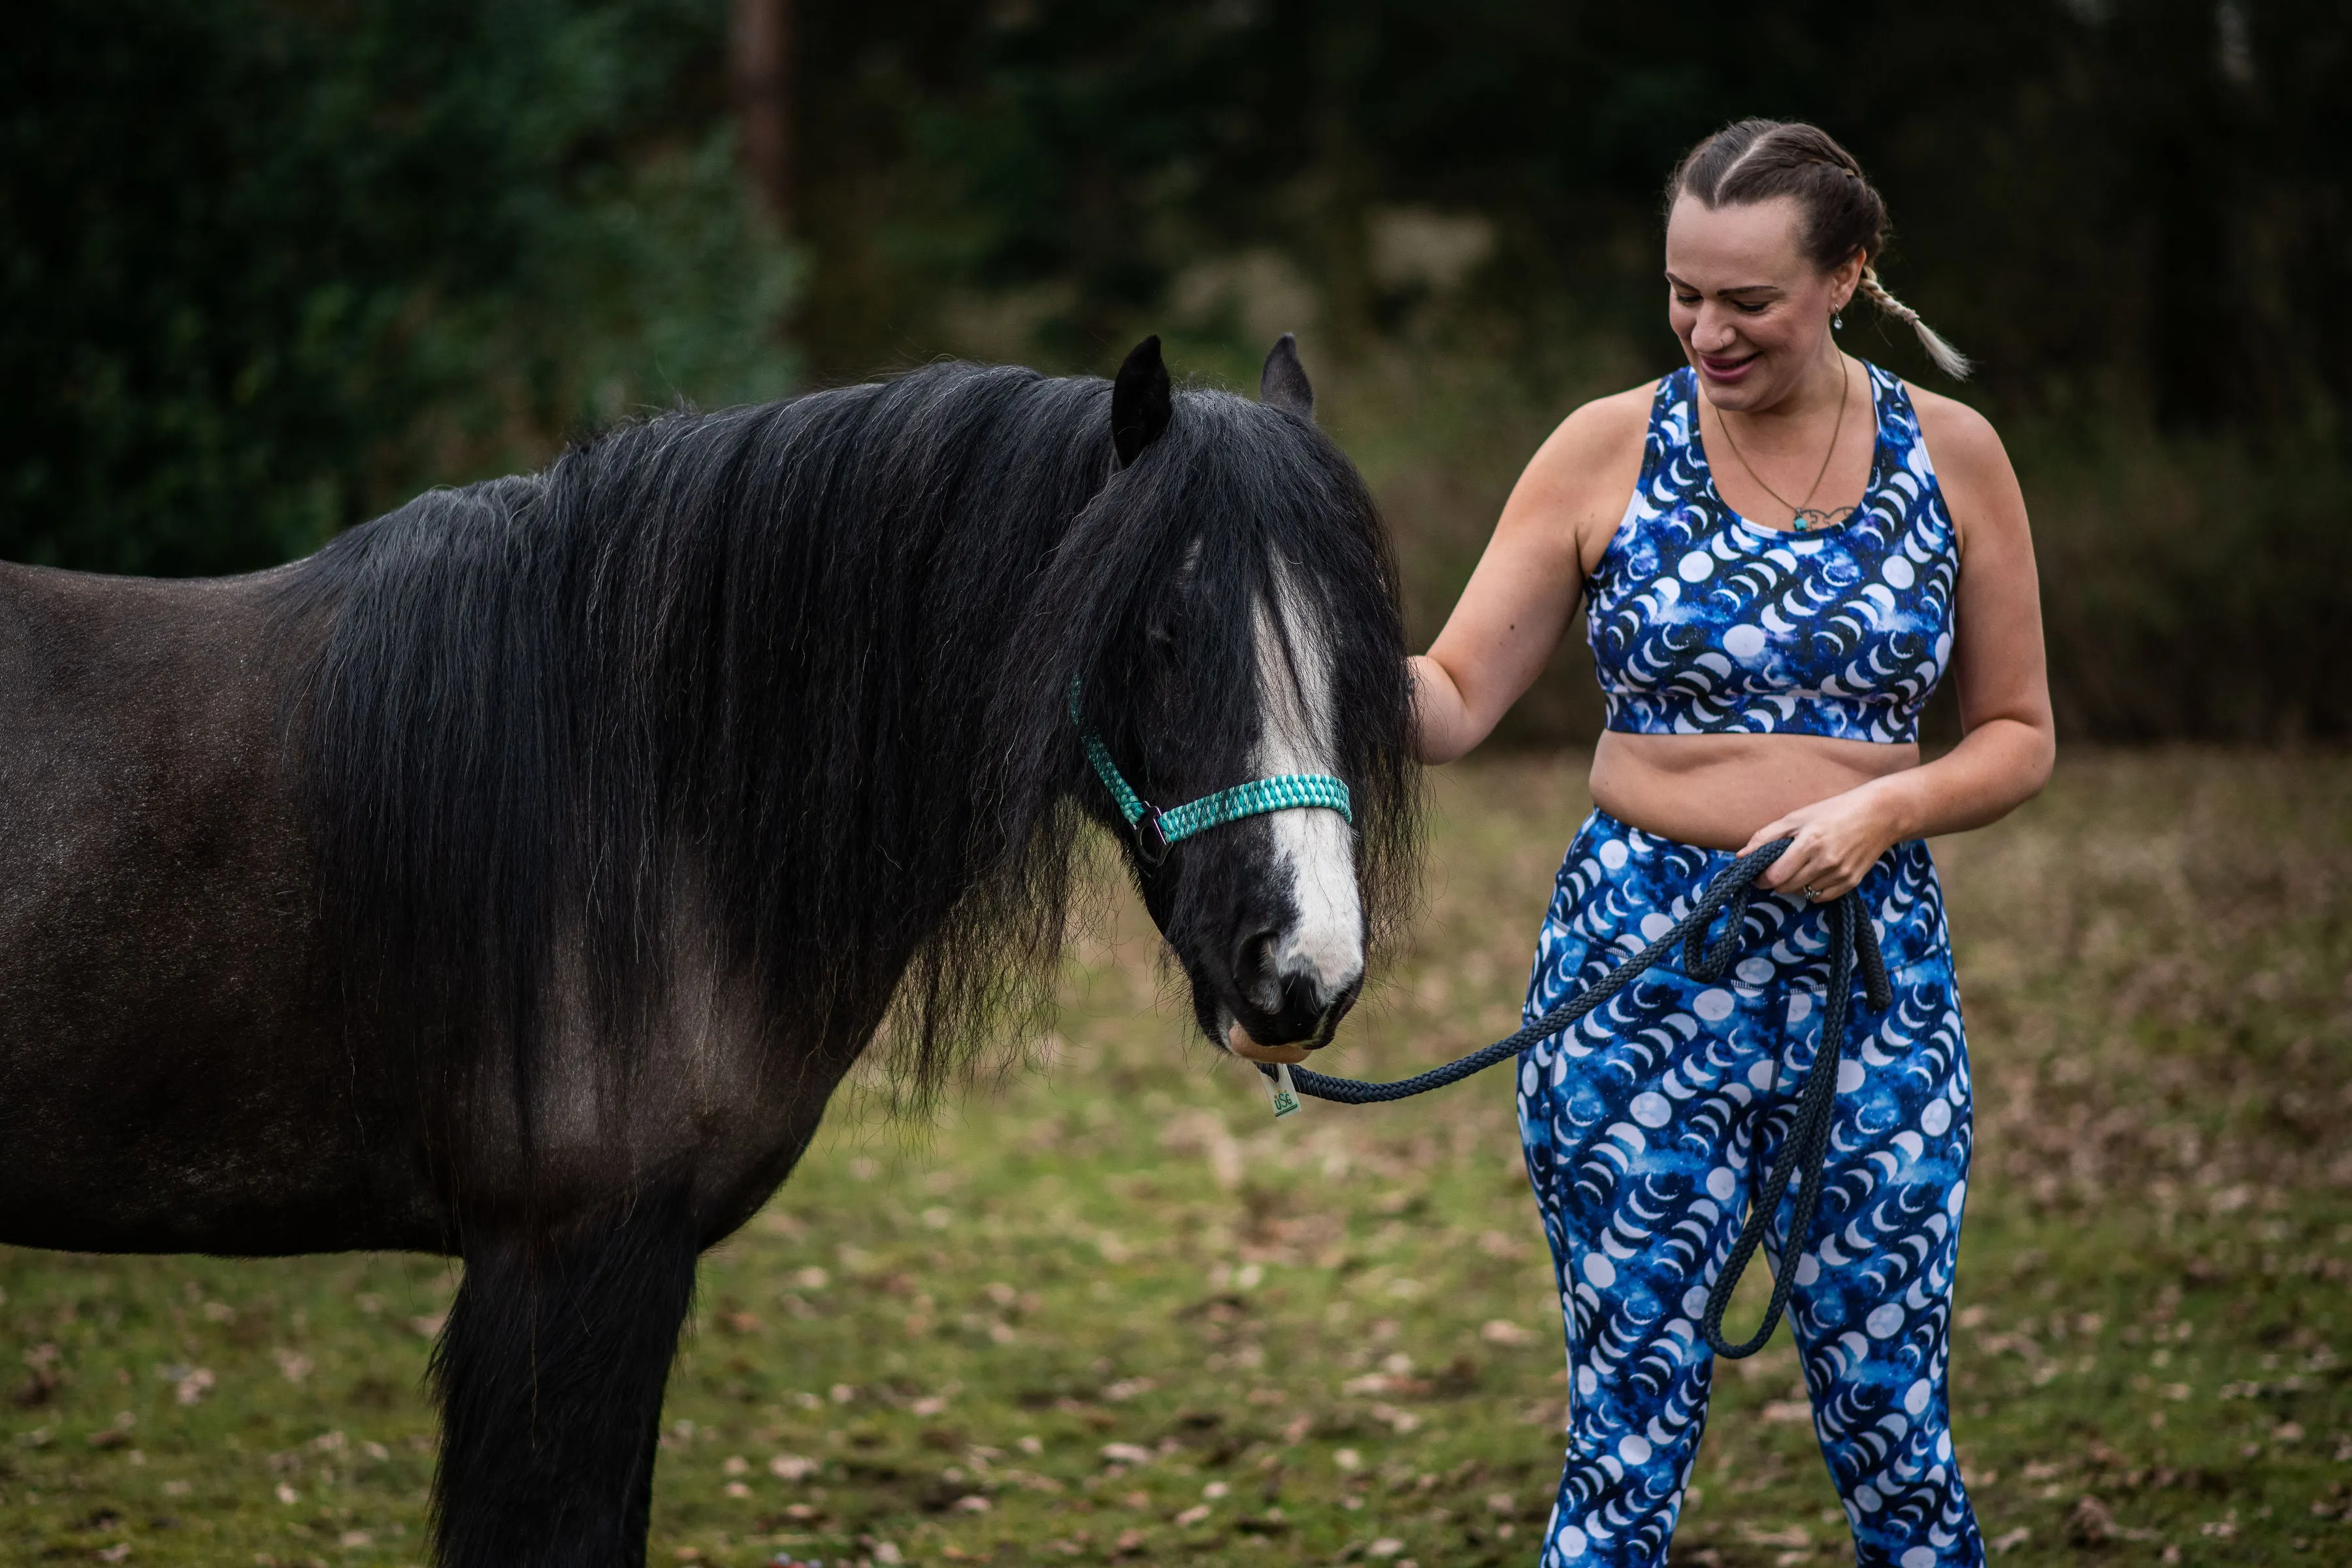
(1157, 830)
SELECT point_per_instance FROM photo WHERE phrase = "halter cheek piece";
(1157, 831)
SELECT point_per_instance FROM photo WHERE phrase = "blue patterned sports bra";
(1704, 624)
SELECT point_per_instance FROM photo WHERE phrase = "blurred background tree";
(266, 268)
(2119, 206)
(270, 267)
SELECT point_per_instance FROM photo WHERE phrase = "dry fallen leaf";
(2091, 1523)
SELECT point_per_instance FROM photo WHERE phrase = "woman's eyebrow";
(1734, 289)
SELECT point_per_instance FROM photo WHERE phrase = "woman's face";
(1752, 313)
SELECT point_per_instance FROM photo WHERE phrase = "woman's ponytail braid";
(1948, 359)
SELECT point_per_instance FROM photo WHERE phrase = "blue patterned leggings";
(1644, 1127)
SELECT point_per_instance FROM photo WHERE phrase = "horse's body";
(517, 876)
(165, 1082)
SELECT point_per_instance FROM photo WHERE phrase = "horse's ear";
(1283, 384)
(1139, 401)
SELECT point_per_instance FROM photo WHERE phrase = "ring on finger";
(1811, 897)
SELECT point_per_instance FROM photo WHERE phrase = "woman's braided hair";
(1758, 160)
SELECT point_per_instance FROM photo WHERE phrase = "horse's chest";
(706, 1085)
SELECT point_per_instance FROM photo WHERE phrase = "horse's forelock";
(1236, 506)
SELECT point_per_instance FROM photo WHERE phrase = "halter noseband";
(1156, 831)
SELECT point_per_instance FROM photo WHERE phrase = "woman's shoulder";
(1587, 469)
(1617, 416)
(1963, 443)
(1599, 437)
(1971, 465)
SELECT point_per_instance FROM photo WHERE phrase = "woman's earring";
(1837, 320)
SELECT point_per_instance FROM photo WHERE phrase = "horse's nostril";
(1334, 1009)
(1254, 971)
(1300, 999)
(1257, 953)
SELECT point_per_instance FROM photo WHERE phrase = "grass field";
(1107, 1310)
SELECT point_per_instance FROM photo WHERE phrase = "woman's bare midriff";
(1716, 791)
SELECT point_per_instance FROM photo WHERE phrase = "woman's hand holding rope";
(1832, 843)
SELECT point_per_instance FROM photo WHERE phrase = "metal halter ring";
(1151, 844)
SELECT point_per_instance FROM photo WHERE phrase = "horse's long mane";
(798, 675)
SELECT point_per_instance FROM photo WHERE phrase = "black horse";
(517, 877)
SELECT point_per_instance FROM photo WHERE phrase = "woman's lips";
(1721, 369)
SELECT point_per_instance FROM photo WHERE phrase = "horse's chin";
(1238, 1042)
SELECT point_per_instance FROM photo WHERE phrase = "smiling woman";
(1766, 632)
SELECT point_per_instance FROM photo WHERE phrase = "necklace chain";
(1800, 513)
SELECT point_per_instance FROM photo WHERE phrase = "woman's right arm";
(1524, 592)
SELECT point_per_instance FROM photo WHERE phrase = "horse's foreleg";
(551, 1375)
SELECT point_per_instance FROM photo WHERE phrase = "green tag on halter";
(1283, 1093)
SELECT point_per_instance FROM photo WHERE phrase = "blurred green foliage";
(265, 267)
(268, 265)
(2114, 202)
(2135, 213)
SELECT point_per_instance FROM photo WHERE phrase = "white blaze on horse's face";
(1314, 847)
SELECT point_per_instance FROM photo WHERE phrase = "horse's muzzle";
(1307, 1012)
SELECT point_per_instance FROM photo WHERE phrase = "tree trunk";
(760, 66)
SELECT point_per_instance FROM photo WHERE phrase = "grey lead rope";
(1851, 937)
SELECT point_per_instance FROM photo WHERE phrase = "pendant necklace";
(1802, 516)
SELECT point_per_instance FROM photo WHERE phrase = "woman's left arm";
(2008, 738)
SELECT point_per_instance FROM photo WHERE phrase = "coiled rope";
(1853, 940)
